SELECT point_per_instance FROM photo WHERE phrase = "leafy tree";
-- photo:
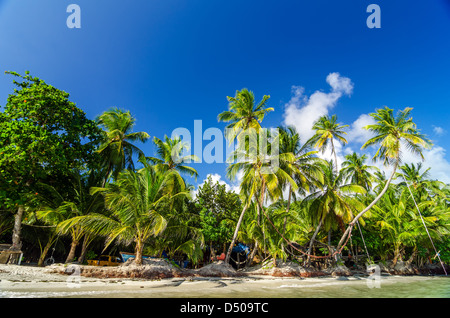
(42, 134)
(219, 210)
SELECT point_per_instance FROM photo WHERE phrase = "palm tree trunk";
(212, 252)
(16, 241)
(84, 247)
(287, 208)
(236, 231)
(414, 254)
(311, 243)
(73, 247)
(139, 248)
(353, 222)
(252, 255)
(46, 249)
(107, 175)
(396, 255)
(335, 156)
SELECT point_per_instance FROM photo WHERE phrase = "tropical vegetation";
(81, 187)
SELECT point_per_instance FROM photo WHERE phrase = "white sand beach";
(33, 282)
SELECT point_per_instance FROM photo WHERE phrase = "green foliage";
(42, 133)
(219, 209)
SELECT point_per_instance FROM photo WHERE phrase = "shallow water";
(353, 287)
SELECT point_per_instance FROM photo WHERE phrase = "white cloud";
(302, 111)
(234, 186)
(434, 159)
(438, 130)
(357, 133)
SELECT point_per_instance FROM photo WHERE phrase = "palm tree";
(244, 113)
(400, 227)
(259, 179)
(356, 171)
(390, 131)
(137, 202)
(117, 147)
(170, 153)
(335, 200)
(59, 211)
(305, 169)
(326, 131)
(244, 117)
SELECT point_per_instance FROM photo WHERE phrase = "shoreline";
(53, 281)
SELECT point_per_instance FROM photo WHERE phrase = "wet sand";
(33, 282)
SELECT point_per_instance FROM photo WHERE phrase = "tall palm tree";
(170, 153)
(257, 182)
(335, 200)
(244, 113)
(390, 131)
(137, 202)
(117, 147)
(327, 130)
(244, 117)
(305, 169)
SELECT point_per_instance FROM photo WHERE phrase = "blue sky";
(172, 62)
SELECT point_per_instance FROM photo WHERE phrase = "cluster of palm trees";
(123, 204)
(327, 198)
(305, 202)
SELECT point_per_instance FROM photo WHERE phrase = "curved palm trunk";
(44, 253)
(73, 247)
(308, 260)
(236, 231)
(353, 222)
(86, 241)
(252, 255)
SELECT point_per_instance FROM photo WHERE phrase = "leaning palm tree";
(244, 113)
(137, 202)
(390, 131)
(117, 146)
(335, 200)
(327, 130)
(170, 155)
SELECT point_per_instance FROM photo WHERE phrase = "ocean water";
(327, 287)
